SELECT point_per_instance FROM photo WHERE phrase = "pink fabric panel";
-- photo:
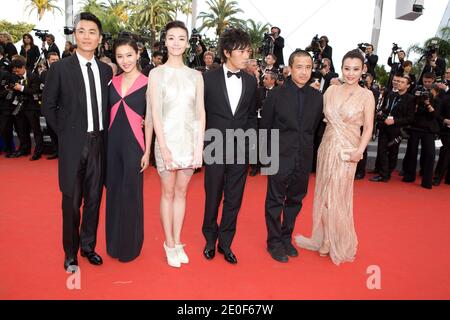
(135, 121)
(114, 110)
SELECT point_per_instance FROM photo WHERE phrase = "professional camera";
(267, 44)
(314, 47)
(363, 81)
(422, 94)
(432, 48)
(395, 48)
(41, 34)
(194, 39)
(68, 30)
(280, 72)
(402, 136)
(363, 46)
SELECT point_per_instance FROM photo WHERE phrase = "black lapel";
(78, 75)
(104, 83)
(244, 88)
(224, 88)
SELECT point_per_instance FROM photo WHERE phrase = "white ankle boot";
(182, 256)
(172, 256)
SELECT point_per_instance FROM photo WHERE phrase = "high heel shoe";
(172, 256)
(325, 248)
(182, 256)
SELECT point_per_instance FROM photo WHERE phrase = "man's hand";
(315, 85)
(447, 122)
(18, 87)
(335, 81)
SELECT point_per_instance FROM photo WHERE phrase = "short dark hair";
(298, 53)
(353, 54)
(18, 62)
(233, 39)
(157, 54)
(274, 57)
(407, 63)
(404, 76)
(50, 36)
(125, 41)
(52, 53)
(429, 75)
(177, 24)
(272, 75)
(279, 30)
(324, 38)
(89, 17)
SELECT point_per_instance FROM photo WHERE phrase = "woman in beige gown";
(175, 95)
(346, 107)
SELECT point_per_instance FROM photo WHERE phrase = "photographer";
(433, 64)
(371, 60)
(198, 49)
(6, 119)
(396, 113)
(445, 84)
(326, 51)
(423, 129)
(52, 47)
(443, 165)
(157, 58)
(407, 68)
(326, 75)
(278, 45)
(396, 67)
(24, 101)
(29, 51)
(253, 69)
(5, 64)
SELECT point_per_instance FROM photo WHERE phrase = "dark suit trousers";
(387, 155)
(285, 192)
(429, 154)
(88, 188)
(443, 164)
(6, 130)
(229, 181)
(26, 120)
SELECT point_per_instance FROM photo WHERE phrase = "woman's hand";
(167, 158)
(198, 158)
(356, 156)
(145, 161)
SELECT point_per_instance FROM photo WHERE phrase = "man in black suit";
(25, 106)
(326, 50)
(75, 104)
(433, 64)
(397, 112)
(371, 60)
(326, 75)
(157, 58)
(278, 45)
(52, 47)
(295, 110)
(230, 103)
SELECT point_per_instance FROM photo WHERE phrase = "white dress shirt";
(234, 88)
(98, 90)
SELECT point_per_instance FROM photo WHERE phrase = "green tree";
(221, 14)
(16, 30)
(42, 6)
(382, 74)
(256, 31)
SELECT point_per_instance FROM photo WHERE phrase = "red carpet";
(401, 228)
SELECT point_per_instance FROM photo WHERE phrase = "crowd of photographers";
(411, 106)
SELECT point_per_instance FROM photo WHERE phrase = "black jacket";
(31, 56)
(401, 107)
(64, 106)
(278, 46)
(296, 129)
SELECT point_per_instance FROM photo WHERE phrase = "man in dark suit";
(25, 106)
(230, 103)
(371, 60)
(433, 64)
(278, 45)
(157, 57)
(75, 104)
(326, 75)
(295, 110)
(52, 47)
(326, 50)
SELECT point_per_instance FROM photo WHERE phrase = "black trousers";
(53, 137)
(26, 120)
(88, 189)
(387, 156)
(6, 130)
(443, 164)
(428, 154)
(285, 192)
(227, 180)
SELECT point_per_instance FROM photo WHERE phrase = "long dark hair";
(27, 35)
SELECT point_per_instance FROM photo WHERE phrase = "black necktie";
(94, 104)
(237, 74)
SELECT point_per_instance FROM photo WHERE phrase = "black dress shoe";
(52, 156)
(229, 256)
(290, 250)
(426, 186)
(92, 257)
(35, 157)
(209, 254)
(9, 154)
(378, 179)
(359, 176)
(19, 154)
(71, 264)
(407, 179)
(436, 182)
(278, 255)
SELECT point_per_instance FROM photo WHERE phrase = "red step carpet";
(402, 228)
